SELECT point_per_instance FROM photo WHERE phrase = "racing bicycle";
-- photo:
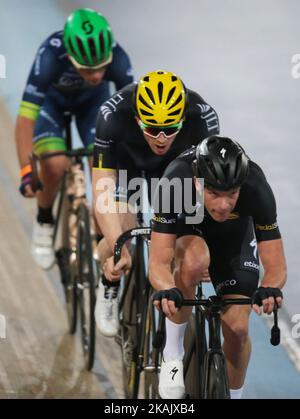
(74, 235)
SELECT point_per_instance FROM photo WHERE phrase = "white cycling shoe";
(42, 245)
(106, 310)
(171, 383)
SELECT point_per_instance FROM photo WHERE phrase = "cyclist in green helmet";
(71, 72)
(88, 39)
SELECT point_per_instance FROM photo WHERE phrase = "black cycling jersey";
(120, 143)
(256, 200)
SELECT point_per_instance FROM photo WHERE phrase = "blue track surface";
(271, 374)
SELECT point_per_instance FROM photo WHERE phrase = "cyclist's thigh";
(48, 133)
(127, 197)
(234, 267)
(53, 168)
(191, 252)
(87, 110)
(192, 249)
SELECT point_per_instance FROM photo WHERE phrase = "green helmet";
(88, 39)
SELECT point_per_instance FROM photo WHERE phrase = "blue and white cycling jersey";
(52, 72)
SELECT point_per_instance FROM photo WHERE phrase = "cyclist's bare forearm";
(105, 208)
(161, 256)
(23, 135)
(272, 279)
(273, 260)
(160, 276)
(110, 227)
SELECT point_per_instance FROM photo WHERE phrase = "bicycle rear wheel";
(216, 381)
(86, 285)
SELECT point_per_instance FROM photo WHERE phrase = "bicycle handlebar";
(127, 235)
(78, 152)
(213, 301)
(216, 303)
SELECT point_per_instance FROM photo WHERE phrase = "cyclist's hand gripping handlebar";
(172, 294)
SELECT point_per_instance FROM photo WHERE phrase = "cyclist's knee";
(52, 169)
(193, 269)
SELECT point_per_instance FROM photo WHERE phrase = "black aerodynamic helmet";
(221, 162)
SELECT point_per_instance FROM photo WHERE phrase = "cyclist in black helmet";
(239, 225)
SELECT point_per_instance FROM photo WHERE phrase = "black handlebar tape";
(275, 336)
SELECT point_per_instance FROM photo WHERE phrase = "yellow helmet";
(160, 99)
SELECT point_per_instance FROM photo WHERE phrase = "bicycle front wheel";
(86, 285)
(216, 383)
(69, 280)
(152, 354)
(128, 337)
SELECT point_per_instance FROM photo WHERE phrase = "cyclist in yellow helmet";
(160, 99)
(140, 130)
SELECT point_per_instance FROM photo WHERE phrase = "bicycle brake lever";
(36, 184)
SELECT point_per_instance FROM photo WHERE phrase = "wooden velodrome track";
(38, 358)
